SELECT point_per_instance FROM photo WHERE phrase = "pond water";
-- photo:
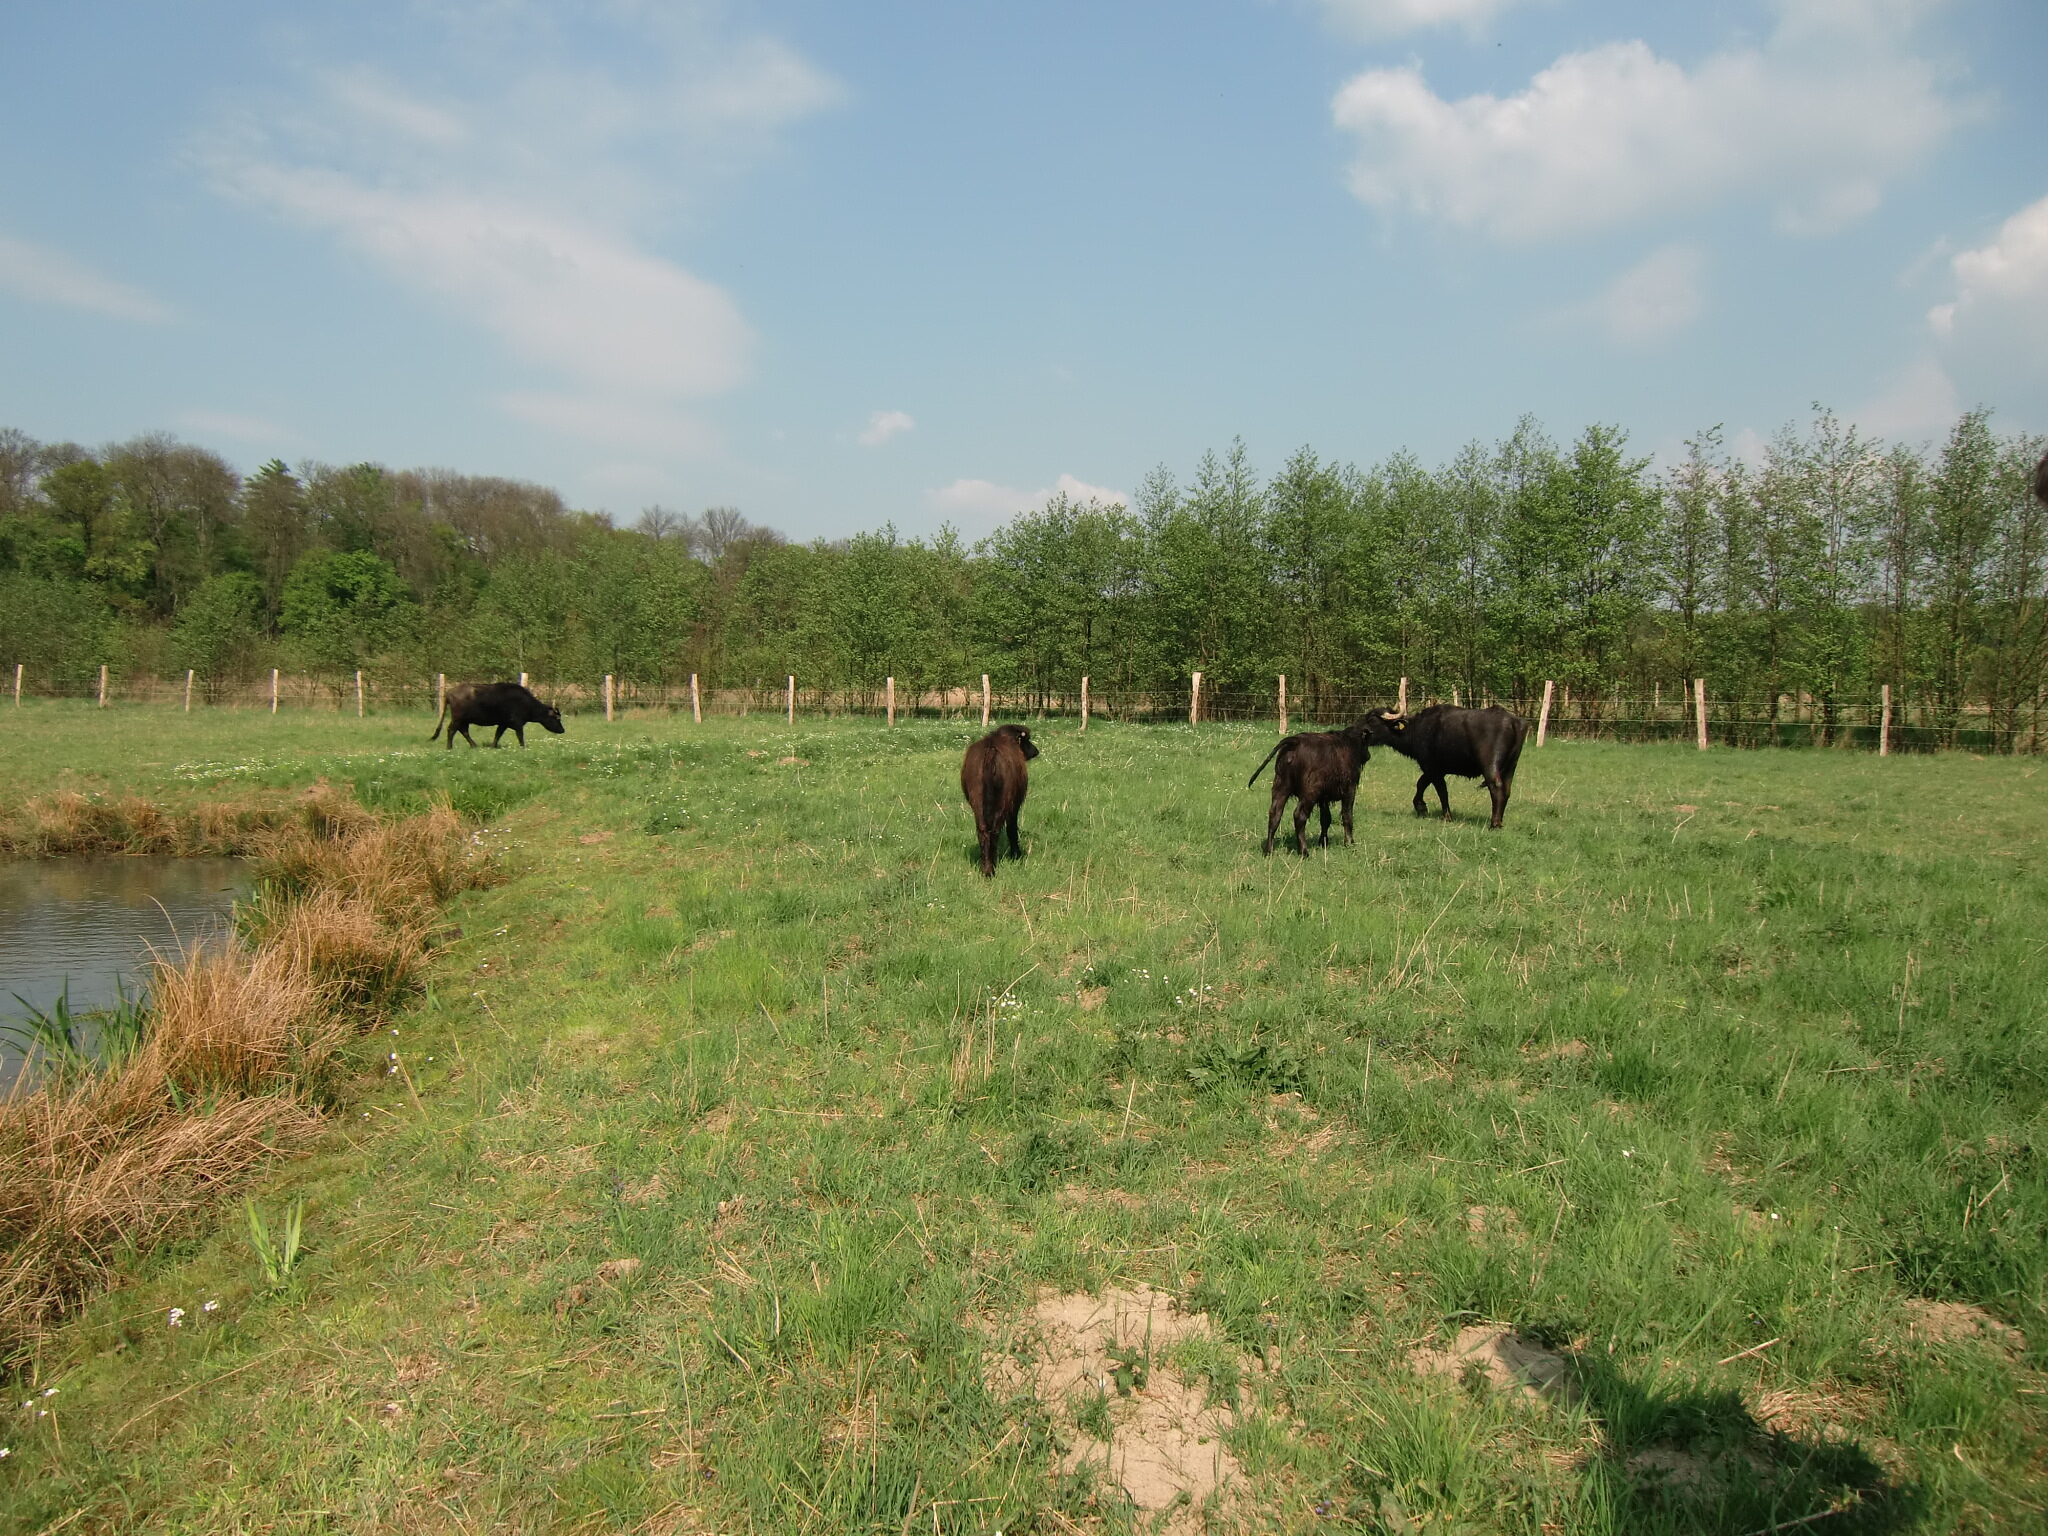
(80, 930)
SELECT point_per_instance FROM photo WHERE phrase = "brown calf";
(993, 779)
(1315, 769)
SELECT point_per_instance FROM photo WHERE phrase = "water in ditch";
(76, 934)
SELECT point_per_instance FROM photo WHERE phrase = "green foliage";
(277, 1253)
(1827, 565)
(342, 608)
(219, 627)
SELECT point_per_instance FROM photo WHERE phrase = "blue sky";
(928, 260)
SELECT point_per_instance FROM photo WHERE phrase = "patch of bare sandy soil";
(1958, 1322)
(1501, 1358)
(1102, 1359)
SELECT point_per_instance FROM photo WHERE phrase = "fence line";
(1886, 723)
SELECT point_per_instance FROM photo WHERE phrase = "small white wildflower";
(5, 1453)
(177, 1316)
(1774, 1215)
(1630, 1152)
(211, 1306)
(49, 1391)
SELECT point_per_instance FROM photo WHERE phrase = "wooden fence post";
(789, 699)
(1283, 703)
(273, 690)
(607, 697)
(1401, 703)
(188, 690)
(103, 685)
(440, 694)
(359, 693)
(1195, 700)
(1884, 725)
(984, 701)
(696, 701)
(1543, 718)
(17, 685)
(1084, 702)
(1699, 703)
(892, 701)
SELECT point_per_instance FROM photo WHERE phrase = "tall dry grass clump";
(68, 824)
(239, 1054)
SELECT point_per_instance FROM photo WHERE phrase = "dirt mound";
(1958, 1322)
(1099, 1362)
(1501, 1358)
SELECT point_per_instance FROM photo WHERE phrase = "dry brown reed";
(69, 824)
(239, 1050)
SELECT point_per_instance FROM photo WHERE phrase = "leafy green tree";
(219, 627)
(277, 526)
(57, 627)
(1962, 524)
(342, 608)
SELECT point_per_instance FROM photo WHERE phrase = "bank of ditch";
(241, 1055)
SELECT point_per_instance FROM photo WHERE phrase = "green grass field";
(745, 1121)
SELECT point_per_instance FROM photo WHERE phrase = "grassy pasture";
(738, 1120)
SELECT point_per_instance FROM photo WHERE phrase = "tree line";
(1825, 565)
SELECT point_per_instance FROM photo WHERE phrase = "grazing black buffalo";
(1445, 739)
(2041, 478)
(993, 777)
(1316, 769)
(508, 706)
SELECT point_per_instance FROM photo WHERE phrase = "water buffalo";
(508, 706)
(1316, 768)
(993, 778)
(2041, 478)
(1445, 739)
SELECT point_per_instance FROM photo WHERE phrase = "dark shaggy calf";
(993, 778)
(1315, 769)
(508, 706)
(1445, 739)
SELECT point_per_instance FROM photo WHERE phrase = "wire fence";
(1788, 721)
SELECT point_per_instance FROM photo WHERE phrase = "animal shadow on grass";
(1689, 1459)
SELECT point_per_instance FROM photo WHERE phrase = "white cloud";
(883, 425)
(557, 292)
(1816, 119)
(986, 501)
(1657, 297)
(45, 276)
(1393, 18)
(1988, 339)
(504, 178)
(1920, 401)
(2001, 289)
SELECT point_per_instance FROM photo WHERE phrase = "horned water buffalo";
(994, 779)
(1446, 739)
(1316, 769)
(508, 706)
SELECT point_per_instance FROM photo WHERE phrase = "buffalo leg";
(985, 832)
(465, 736)
(1497, 787)
(1323, 808)
(1301, 827)
(1349, 796)
(1016, 848)
(519, 730)
(1421, 784)
(499, 739)
(1273, 820)
(1443, 795)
